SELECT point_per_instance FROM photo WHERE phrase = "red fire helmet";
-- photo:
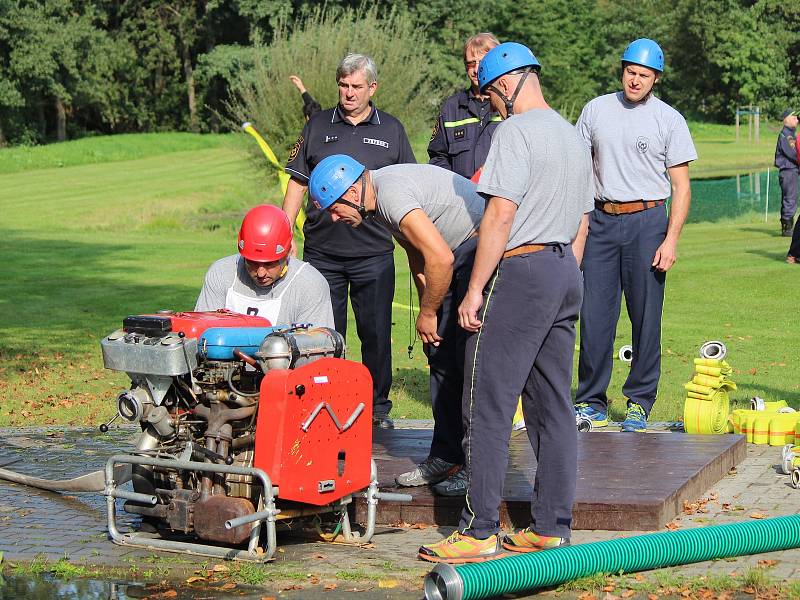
(266, 234)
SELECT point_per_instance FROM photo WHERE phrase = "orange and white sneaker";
(529, 541)
(459, 548)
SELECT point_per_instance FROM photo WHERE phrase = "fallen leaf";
(313, 579)
(320, 556)
(220, 569)
(628, 593)
(168, 594)
(387, 583)
(639, 577)
(267, 598)
(609, 588)
(329, 586)
(749, 590)
(228, 586)
(652, 596)
(757, 515)
(587, 596)
(764, 564)
(672, 526)
(195, 579)
(292, 587)
(420, 526)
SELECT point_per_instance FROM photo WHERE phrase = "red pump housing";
(314, 430)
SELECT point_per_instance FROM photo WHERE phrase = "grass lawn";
(102, 228)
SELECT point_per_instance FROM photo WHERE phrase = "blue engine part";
(218, 343)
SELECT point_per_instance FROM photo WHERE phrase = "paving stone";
(50, 525)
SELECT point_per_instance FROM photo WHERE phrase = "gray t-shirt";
(633, 145)
(449, 200)
(304, 292)
(538, 162)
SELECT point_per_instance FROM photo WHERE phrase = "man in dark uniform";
(788, 170)
(463, 132)
(359, 260)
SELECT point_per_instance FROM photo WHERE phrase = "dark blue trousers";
(370, 282)
(618, 260)
(788, 182)
(446, 362)
(525, 346)
(794, 248)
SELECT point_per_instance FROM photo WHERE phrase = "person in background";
(786, 161)
(641, 149)
(358, 263)
(310, 106)
(463, 131)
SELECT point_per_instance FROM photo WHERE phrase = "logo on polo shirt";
(375, 142)
(296, 149)
(642, 144)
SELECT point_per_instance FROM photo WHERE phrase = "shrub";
(266, 97)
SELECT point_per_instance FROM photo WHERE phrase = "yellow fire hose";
(283, 177)
(707, 404)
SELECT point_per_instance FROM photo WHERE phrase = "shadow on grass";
(63, 294)
(776, 256)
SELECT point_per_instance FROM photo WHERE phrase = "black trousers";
(524, 347)
(788, 182)
(369, 282)
(618, 260)
(446, 362)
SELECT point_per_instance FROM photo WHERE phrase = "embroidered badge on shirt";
(435, 129)
(375, 142)
(642, 143)
(296, 149)
(459, 133)
(331, 138)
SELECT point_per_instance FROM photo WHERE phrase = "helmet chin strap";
(509, 102)
(361, 207)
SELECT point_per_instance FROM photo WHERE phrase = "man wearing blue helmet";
(434, 214)
(521, 305)
(641, 148)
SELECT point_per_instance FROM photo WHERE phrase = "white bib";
(269, 308)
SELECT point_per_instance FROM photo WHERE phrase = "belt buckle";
(614, 208)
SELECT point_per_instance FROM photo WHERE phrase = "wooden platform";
(626, 482)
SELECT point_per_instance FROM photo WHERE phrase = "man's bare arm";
(667, 252)
(293, 199)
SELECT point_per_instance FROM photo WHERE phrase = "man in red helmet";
(263, 279)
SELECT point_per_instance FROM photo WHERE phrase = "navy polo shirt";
(375, 142)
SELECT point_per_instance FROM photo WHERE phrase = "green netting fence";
(757, 192)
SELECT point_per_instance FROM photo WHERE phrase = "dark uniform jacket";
(786, 154)
(462, 134)
(378, 141)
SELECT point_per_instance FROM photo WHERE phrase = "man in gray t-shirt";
(641, 149)
(263, 280)
(521, 305)
(434, 214)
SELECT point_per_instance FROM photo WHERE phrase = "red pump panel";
(314, 430)
(193, 324)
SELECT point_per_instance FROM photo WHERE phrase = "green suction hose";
(525, 572)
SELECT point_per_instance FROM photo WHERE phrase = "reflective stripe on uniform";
(449, 124)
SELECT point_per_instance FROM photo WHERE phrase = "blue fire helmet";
(646, 53)
(331, 178)
(503, 59)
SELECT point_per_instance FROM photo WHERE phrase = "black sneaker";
(382, 422)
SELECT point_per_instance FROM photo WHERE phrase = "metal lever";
(104, 426)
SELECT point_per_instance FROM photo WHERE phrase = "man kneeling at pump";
(263, 279)
(434, 214)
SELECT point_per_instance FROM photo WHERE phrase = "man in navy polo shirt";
(358, 261)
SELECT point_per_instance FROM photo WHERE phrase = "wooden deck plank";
(626, 482)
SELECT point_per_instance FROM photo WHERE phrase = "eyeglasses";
(471, 64)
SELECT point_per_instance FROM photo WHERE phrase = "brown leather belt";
(624, 208)
(526, 249)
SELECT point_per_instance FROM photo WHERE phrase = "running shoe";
(459, 548)
(429, 471)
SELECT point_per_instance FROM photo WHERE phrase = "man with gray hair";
(355, 262)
